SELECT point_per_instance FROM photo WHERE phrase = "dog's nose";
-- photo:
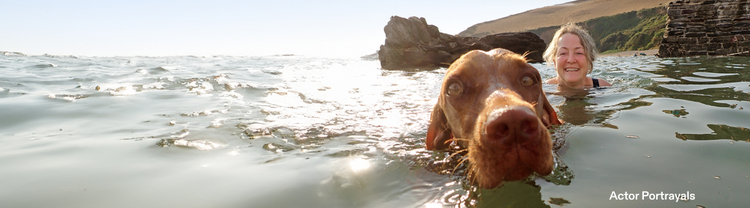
(512, 125)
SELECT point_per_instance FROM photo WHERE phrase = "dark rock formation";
(707, 27)
(413, 44)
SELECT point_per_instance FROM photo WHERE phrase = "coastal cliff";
(679, 28)
(414, 44)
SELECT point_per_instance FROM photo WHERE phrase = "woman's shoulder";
(602, 82)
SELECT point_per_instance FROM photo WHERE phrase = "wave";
(10, 53)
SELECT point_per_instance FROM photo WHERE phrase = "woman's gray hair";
(589, 46)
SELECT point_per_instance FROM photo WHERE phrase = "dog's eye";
(527, 81)
(454, 89)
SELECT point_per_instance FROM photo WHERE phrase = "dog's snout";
(512, 125)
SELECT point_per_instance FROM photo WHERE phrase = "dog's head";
(492, 103)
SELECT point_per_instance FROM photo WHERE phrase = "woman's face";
(571, 63)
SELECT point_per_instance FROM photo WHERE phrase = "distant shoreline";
(651, 52)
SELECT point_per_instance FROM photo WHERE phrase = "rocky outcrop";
(706, 27)
(413, 44)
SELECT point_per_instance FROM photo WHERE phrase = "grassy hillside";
(636, 30)
(573, 11)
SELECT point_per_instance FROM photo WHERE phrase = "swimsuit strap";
(595, 81)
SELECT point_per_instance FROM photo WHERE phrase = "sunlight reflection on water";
(345, 133)
(359, 164)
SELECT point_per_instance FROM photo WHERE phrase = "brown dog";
(493, 104)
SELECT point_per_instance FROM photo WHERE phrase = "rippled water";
(290, 131)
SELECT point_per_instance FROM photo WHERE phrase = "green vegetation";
(636, 30)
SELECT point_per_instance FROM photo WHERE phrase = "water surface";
(291, 131)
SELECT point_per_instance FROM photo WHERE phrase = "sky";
(325, 28)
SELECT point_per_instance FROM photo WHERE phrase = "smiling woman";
(572, 52)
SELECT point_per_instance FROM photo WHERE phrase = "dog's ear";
(438, 133)
(550, 117)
